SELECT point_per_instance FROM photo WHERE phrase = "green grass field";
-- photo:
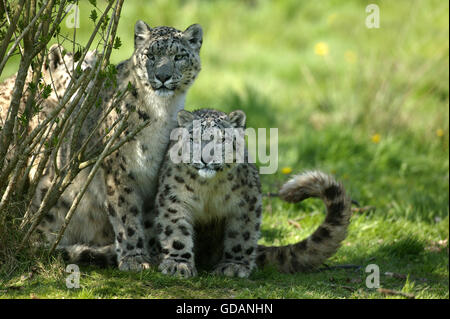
(368, 105)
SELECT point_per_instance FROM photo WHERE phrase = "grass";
(373, 111)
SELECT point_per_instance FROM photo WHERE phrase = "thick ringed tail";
(326, 239)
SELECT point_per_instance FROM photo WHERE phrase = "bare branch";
(11, 29)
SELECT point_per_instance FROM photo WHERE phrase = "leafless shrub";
(26, 29)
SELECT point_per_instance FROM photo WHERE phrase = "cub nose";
(163, 77)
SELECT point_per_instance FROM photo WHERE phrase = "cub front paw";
(134, 263)
(175, 268)
(232, 270)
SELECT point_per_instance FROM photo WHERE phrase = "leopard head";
(216, 140)
(166, 60)
(59, 67)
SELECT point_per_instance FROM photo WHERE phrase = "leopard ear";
(194, 36)
(237, 118)
(184, 117)
(54, 57)
(141, 33)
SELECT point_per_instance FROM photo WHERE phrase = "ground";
(368, 105)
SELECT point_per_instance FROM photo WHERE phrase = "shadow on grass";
(258, 108)
(271, 233)
(406, 257)
(401, 260)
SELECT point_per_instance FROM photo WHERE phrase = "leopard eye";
(151, 57)
(179, 57)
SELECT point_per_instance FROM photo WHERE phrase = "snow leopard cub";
(208, 212)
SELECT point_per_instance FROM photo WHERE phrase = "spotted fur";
(57, 72)
(212, 220)
(108, 226)
(326, 239)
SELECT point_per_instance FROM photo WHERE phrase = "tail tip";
(310, 184)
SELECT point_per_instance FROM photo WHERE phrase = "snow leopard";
(108, 225)
(208, 211)
(57, 71)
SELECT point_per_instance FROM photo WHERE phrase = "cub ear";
(141, 33)
(237, 118)
(184, 117)
(194, 36)
(54, 57)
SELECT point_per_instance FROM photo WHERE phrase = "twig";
(344, 287)
(270, 195)
(404, 276)
(294, 223)
(12, 27)
(85, 186)
(24, 32)
(340, 267)
(355, 202)
(391, 292)
(364, 209)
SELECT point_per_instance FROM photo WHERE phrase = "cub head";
(213, 141)
(166, 60)
(58, 68)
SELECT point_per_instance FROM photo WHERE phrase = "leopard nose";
(163, 77)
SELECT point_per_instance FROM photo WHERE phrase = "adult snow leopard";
(163, 66)
(56, 72)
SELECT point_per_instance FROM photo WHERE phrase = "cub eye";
(179, 57)
(151, 57)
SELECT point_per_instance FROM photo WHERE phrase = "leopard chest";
(212, 200)
(144, 155)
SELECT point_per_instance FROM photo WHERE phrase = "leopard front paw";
(175, 268)
(230, 269)
(134, 263)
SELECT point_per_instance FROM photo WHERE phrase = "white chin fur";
(164, 93)
(206, 173)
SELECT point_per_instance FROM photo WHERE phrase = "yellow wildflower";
(376, 138)
(321, 49)
(286, 170)
(331, 18)
(440, 132)
(350, 56)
